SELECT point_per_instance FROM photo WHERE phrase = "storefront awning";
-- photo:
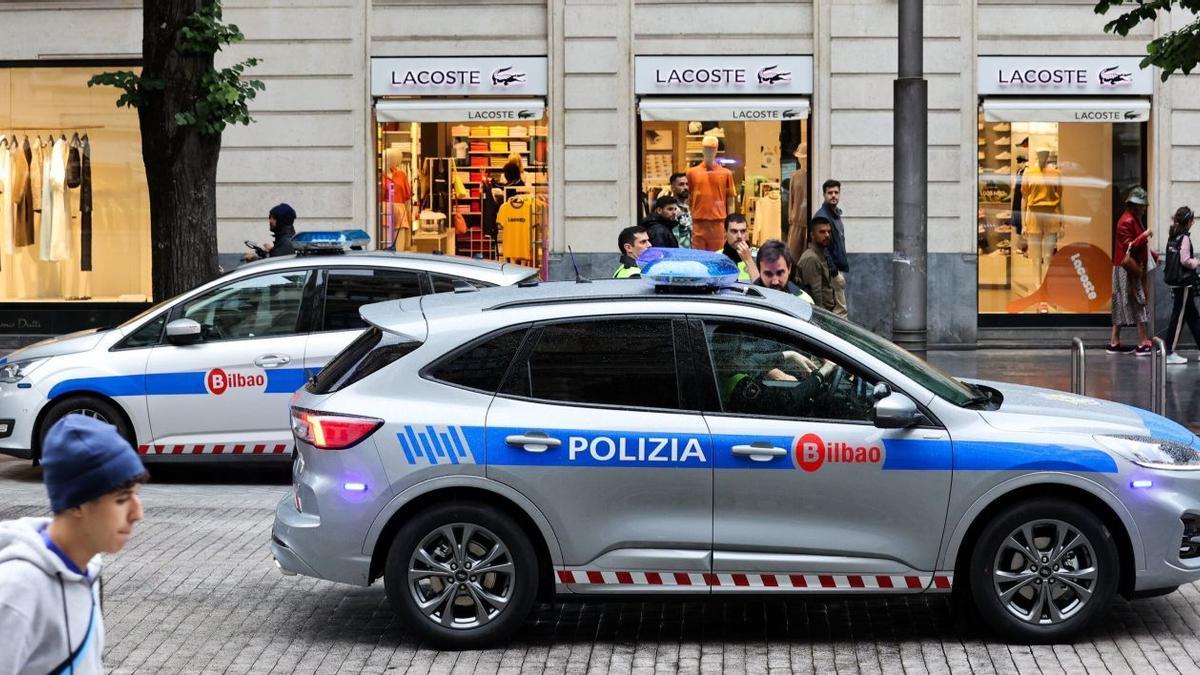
(461, 110)
(1066, 109)
(686, 109)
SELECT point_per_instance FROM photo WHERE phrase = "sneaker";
(982, 141)
(1004, 156)
(1003, 126)
(1174, 359)
(1118, 348)
(1143, 349)
(1003, 140)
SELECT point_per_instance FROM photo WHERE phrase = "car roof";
(482, 270)
(392, 314)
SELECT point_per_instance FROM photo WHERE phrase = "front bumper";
(19, 407)
(1159, 511)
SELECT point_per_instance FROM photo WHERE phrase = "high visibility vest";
(624, 272)
(743, 271)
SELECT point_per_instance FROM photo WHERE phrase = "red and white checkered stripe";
(940, 581)
(217, 449)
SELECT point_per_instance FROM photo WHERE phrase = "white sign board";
(736, 75)
(452, 76)
(685, 109)
(1064, 76)
(1066, 110)
(460, 110)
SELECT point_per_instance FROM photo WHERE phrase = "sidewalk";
(1118, 377)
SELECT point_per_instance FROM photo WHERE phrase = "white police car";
(479, 451)
(208, 374)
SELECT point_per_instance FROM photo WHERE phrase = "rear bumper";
(301, 544)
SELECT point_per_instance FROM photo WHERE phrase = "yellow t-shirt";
(515, 222)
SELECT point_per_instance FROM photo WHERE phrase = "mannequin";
(798, 206)
(1041, 192)
(712, 197)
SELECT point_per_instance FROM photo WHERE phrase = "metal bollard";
(1158, 376)
(1078, 367)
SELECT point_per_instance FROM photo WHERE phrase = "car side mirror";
(184, 332)
(896, 411)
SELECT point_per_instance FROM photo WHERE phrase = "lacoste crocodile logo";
(769, 75)
(501, 77)
(1111, 77)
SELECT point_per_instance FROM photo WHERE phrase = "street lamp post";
(910, 199)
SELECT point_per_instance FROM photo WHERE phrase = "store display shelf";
(501, 137)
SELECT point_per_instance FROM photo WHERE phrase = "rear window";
(370, 352)
(482, 365)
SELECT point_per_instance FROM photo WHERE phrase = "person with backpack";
(1180, 275)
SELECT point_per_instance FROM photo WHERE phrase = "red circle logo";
(216, 381)
(810, 452)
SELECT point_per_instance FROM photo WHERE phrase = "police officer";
(736, 248)
(774, 262)
(631, 243)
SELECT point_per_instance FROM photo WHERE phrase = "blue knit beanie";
(84, 459)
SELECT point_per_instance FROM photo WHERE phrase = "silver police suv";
(481, 450)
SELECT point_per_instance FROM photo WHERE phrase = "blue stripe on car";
(280, 381)
(931, 455)
(1160, 427)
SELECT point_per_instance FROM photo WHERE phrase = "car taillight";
(326, 431)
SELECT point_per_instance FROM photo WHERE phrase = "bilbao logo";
(812, 452)
(217, 381)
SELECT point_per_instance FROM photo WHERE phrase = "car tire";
(430, 584)
(1049, 592)
(86, 405)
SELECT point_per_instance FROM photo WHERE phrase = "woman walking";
(1180, 274)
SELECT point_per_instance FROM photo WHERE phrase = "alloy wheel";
(461, 576)
(1045, 572)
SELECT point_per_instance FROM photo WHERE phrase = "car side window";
(346, 290)
(444, 283)
(146, 336)
(255, 307)
(618, 362)
(768, 373)
(482, 365)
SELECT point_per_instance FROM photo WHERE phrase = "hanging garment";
(7, 190)
(515, 221)
(56, 239)
(768, 217)
(45, 235)
(85, 205)
(23, 220)
(37, 157)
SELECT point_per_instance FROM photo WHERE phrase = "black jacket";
(661, 232)
(283, 241)
(835, 253)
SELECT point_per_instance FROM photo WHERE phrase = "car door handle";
(272, 360)
(533, 441)
(759, 452)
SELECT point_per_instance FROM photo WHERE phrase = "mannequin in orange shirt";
(712, 198)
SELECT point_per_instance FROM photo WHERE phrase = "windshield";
(910, 366)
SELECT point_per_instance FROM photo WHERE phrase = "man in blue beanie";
(50, 613)
(282, 221)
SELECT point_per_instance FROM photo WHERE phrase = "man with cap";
(281, 219)
(50, 613)
(1131, 257)
(660, 226)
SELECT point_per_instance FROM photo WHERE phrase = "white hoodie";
(45, 608)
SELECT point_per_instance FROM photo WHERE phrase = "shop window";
(75, 217)
(767, 163)
(477, 189)
(1050, 194)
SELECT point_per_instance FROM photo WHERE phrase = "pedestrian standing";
(50, 590)
(738, 249)
(632, 242)
(661, 225)
(775, 268)
(1179, 273)
(815, 273)
(1130, 259)
(835, 252)
(281, 219)
(683, 216)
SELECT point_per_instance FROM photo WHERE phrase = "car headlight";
(1153, 453)
(16, 371)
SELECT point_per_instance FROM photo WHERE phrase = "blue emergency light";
(331, 241)
(687, 268)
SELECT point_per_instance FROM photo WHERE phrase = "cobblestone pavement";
(196, 591)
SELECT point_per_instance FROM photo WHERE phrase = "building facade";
(400, 116)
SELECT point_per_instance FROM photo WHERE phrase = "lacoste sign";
(1068, 75)
(723, 75)
(484, 76)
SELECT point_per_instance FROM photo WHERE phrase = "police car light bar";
(331, 241)
(687, 268)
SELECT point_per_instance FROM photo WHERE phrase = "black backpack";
(1174, 273)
